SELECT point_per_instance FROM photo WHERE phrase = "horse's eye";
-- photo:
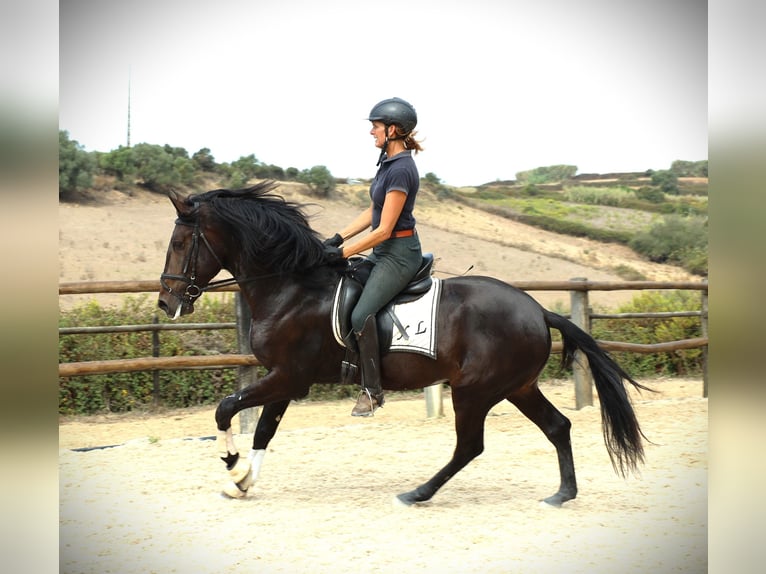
(177, 245)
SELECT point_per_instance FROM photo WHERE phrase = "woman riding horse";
(395, 245)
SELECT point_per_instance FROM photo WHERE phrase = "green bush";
(666, 180)
(319, 180)
(122, 392)
(547, 174)
(203, 160)
(687, 362)
(649, 331)
(247, 166)
(611, 196)
(676, 240)
(156, 167)
(651, 194)
(689, 168)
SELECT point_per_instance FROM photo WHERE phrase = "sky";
(500, 86)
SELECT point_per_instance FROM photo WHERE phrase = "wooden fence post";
(580, 368)
(246, 374)
(156, 372)
(434, 402)
(703, 322)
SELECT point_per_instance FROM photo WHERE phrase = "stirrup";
(367, 404)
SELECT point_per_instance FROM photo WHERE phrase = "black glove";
(334, 241)
(333, 254)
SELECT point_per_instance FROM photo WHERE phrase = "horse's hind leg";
(556, 428)
(469, 426)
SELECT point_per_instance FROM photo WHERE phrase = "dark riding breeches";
(396, 262)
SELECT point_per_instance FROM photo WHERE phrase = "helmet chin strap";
(384, 149)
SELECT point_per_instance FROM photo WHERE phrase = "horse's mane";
(271, 231)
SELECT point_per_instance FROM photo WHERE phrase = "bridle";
(189, 271)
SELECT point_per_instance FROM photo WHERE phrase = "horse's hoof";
(411, 498)
(232, 490)
(246, 482)
(241, 470)
(405, 499)
(556, 500)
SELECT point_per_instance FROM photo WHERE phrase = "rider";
(395, 245)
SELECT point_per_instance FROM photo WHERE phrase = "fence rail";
(94, 287)
(580, 315)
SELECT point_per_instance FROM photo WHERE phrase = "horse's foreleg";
(268, 422)
(240, 469)
(556, 428)
(469, 426)
(244, 471)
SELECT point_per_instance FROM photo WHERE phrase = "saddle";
(349, 291)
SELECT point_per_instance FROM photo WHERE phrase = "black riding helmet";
(397, 112)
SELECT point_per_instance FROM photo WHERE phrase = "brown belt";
(404, 233)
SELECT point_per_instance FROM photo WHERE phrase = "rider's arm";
(392, 209)
(359, 224)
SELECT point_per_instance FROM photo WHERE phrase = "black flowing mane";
(270, 230)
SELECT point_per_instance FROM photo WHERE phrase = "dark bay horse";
(493, 339)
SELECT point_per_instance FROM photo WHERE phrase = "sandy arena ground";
(324, 500)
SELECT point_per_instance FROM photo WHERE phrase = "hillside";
(116, 235)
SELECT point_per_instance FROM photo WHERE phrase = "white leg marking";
(256, 460)
(226, 443)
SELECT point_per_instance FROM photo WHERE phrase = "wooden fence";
(581, 315)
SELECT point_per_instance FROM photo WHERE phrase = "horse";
(493, 340)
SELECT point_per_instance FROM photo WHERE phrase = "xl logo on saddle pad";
(410, 326)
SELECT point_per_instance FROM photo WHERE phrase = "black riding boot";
(371, 396)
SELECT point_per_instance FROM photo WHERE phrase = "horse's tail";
(622, 433)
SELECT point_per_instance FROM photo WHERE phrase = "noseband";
(189, 271)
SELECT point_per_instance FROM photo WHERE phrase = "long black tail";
(622, 433)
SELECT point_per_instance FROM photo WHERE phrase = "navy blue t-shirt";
(397, 173)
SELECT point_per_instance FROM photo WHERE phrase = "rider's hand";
(334, 241)
(333, 254)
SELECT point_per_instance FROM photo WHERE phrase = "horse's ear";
(180, 202)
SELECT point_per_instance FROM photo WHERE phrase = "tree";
(76, 166)
(432, 179)
(156, 167)
(319, 180)
(247, 165)
(549, 174)
(689, 168)
(264, 171)
(292, 173)
(176, 151)
(676, 241)
(651, 194)
(119, 163)
(666, 180)
(204, 160)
